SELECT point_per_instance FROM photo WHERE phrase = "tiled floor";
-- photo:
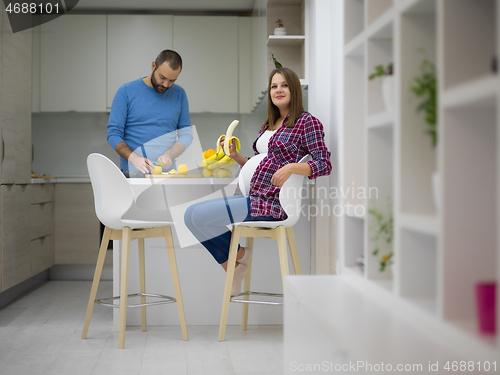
(41, 334)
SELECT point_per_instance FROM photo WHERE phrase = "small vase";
(388, 92)
(280, 31)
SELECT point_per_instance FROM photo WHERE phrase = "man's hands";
(142, 164)
(166, 160)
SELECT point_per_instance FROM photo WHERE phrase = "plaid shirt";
(287, 145)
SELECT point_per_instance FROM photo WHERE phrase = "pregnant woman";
(288, 134)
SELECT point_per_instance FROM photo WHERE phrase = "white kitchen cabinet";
(209, 49)
(73, 64)
(133, 42)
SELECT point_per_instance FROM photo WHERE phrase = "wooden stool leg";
(167, 233)
(283, 254)
(231, 263)
(126, 238)
(293, 250)
(97, 277)
(246, 287)
(142, 281)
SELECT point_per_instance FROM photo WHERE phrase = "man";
(149, 120)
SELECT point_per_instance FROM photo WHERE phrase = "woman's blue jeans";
(208, 222)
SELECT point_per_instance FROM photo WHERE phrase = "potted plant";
(382, 231)
(280, 30)
(386, 73)
(424, 87)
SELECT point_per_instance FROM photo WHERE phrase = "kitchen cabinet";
(73, 64)
(77, 227)
(16, 250)
(42, 228)
(15, 108)
(209, 50)
(133, 42)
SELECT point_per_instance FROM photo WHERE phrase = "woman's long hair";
(296, 107)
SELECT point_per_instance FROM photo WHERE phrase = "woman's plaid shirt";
(287, 145)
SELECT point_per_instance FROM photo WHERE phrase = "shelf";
(354, 11)
(286, 40)
(481, 92)
(356, 47)
(428, 224)
(380, 120)
(382, 27)
(377, 10)
(469, 327)
(417, 7)
(356, 211)
(469, 40)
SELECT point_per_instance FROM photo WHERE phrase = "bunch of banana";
(219, 163)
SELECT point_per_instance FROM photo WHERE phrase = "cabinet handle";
(40, 238)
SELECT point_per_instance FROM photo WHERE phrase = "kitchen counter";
(62, 179)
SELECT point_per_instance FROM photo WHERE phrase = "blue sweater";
(149, 122)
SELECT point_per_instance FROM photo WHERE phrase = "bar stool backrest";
(113, 195)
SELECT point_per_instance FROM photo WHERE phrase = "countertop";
(62, 179)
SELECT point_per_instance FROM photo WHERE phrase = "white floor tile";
(41, 334)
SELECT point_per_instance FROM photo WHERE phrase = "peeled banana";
(219, 162)
(229, 134)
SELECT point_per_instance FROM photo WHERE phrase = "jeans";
(208, 222)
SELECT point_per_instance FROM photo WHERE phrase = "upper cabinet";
(80, 61)
(209, 49)
(133, 42)
(73, 64)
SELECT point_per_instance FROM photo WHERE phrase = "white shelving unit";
(291, 49)
(442, 247)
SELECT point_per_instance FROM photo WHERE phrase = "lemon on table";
(206, 172)
(183, 169)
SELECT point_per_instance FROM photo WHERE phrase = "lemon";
(206, 172)
(182, 169)
(157, 170)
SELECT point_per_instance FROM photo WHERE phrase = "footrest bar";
(163, 300)
(239, 300)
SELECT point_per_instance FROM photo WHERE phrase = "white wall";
(325, 102)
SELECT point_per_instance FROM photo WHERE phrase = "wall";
(325, 102)
(62, 141)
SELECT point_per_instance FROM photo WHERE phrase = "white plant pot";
(436, 185)
(388, 92)
(280, 31)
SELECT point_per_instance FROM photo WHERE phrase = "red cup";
(486, 306)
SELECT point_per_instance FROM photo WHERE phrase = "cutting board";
(173, 176)
(44, 177)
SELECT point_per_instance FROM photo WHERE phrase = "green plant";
(382, 229)
(424, 87)
(381, 70)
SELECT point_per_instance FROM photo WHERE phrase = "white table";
(201, 278)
